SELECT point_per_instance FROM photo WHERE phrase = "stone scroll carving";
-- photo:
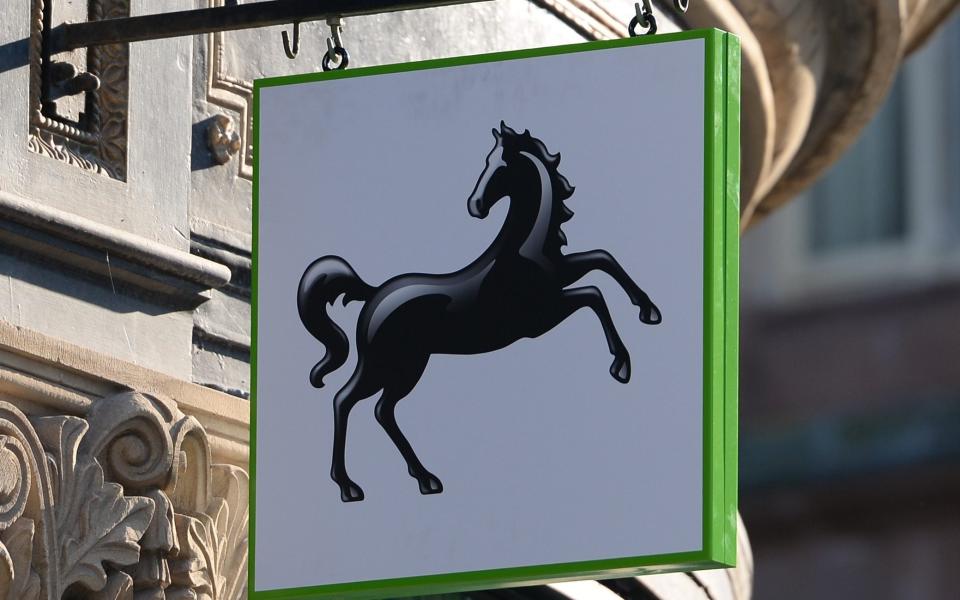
(124, 504)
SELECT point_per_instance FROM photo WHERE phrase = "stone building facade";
(125, 259)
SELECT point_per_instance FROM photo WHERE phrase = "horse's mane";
(524, 142)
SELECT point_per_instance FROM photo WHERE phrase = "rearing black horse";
(516, 289)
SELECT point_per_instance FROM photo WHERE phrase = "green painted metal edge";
(721, 178)
(712, 299)
(732, 296)
(714, 492)
(254, 288)
(721, 296)
(492, 579)
(473, 59)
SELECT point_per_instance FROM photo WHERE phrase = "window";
(953, 127)
(887, 215)
(862, 200)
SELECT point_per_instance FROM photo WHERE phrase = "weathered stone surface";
(125, 503)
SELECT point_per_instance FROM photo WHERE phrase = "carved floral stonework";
(123, 504)
(98, 143)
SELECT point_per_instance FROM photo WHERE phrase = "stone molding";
(112, 494)
(232, 93)
(47, 375)
(106, 251)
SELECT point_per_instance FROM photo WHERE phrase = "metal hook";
(336, 29)
(336, 53)
(292, 53)
(644, 18)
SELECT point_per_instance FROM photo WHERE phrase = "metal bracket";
(65, 90)
(224, 18)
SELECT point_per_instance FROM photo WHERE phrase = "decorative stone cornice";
(104, 250)
(47, 375)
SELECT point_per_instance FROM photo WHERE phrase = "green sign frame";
(720, 347)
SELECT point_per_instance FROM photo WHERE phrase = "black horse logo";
(516, 289)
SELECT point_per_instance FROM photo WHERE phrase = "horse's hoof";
(429, 484)
(620, 369)
(350, 492)
(650, 314)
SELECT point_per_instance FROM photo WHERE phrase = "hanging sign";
(495, 319)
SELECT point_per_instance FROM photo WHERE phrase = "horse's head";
(497, 182)
(492, 184)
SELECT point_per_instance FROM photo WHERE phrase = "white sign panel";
(537, 354)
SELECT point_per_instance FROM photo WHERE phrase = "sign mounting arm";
(225, 18)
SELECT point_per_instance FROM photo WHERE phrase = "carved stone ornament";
(223, 139)
(124, 504)
(98, 141)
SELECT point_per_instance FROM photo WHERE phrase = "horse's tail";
(326, 279)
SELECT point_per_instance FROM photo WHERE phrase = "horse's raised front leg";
(590, 297)
(579, 264)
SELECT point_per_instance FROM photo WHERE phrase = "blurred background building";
(125, 292)
(850, 398)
